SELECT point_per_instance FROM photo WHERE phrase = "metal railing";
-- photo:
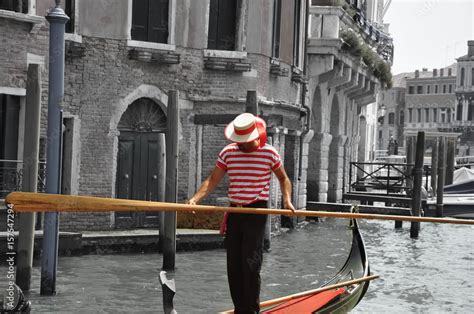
(380, 154)
(392, 177)
(11, 176)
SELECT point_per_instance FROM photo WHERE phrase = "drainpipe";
(307, 126)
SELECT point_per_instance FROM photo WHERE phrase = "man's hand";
(192, 201)
(289, 205)
(207, 186)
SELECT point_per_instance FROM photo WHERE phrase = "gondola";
(340, 300)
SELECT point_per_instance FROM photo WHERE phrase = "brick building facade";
(119, 70)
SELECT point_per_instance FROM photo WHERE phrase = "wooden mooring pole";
(410, 154)
(26, 236)
(441, 174)
(434, 165)
(450, 156)
(417, 182)
(172, 141)
(161, 188)
(251, 106)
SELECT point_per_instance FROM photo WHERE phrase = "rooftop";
(400, 79)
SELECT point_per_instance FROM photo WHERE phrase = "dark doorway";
(10, 175)
(140, 166)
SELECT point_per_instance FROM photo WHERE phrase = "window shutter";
(213, 18)
(140, 20)
(14, 5)
(226, 27)
(276, 28)
(70, 11)
(287, 31)
(158, 21)
(222, 19)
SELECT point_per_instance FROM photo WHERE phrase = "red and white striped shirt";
(249, 173)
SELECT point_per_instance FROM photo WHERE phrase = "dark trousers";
(244, 244)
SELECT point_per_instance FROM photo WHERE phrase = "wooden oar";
(310, 292)
(42, 202)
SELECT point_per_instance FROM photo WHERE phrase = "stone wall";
(16, 42)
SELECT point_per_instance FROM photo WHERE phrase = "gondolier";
(249, 162)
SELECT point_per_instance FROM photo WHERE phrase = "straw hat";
(243, 129)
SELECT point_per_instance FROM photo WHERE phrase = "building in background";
(122, 58)
(430, 101)
(437, 102)
(464, 121)
(391, 117)
(419, 101)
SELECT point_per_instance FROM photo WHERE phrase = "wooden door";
(139, 176)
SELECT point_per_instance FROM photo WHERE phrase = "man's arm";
(207, 186)
(285, 186)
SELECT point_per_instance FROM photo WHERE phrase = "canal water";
(433, 274)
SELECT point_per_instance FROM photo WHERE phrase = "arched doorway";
(140, 160)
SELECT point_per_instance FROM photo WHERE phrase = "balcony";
(329, 18)
(11, 176)
(339, 30)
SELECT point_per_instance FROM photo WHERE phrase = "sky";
(429, 33)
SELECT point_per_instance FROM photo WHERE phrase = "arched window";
(462, 77)
(143, 115)
(448, 115)
(402, 117)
